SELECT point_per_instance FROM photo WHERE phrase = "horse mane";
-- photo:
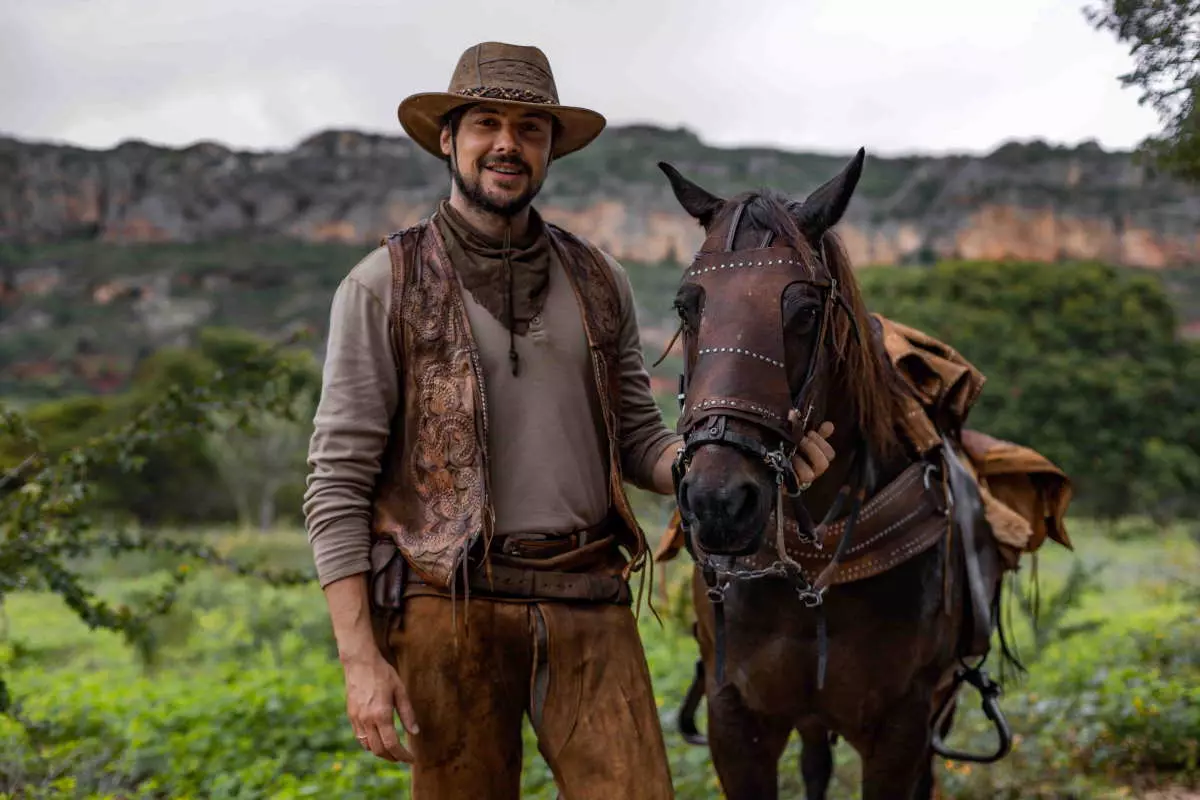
(860, 371)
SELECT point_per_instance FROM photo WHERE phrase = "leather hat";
(506, 74)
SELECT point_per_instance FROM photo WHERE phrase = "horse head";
(776, 340)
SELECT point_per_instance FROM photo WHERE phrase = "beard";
(476, 195)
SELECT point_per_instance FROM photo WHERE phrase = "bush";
(248, 703)
(1120, 704)
(181, 480)
(1082, 363)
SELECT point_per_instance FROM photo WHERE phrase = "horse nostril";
(741, 499)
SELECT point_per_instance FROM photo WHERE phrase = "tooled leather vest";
(432, 497)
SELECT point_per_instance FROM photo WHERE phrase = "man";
(484, 401)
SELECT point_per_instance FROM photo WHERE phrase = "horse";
(860, 627)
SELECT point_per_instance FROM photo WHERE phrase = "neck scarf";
(510, 279)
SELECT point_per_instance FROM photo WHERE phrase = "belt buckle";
(512, 545)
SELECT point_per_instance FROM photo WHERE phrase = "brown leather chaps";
(577, 670)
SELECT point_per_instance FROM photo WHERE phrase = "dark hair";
(454, 116)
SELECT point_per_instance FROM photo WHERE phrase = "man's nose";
(506, 140)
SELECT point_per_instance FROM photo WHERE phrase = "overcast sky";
(925, 76)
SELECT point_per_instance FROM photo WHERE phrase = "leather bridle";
(736, 370)
(767, 401)
(735, 367)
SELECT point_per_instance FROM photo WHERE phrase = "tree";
(47, 499)
(257, 460)
(1164, 38)
(1083, 364)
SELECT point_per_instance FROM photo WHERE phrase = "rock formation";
(1022, 201)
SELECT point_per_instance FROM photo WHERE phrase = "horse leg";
(816, 761)
(927, 788)
(927, 782)
(898, 758)
(746, 747)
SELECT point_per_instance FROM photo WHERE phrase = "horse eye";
(804, 318)
(686, 315)
(687, 306)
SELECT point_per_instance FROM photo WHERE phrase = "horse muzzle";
(725, 487)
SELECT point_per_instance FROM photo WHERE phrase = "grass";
(243, 697)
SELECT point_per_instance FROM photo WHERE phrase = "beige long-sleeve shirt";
(549, 468)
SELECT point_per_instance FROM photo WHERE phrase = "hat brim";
(421, 117)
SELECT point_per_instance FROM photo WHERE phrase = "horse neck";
(850, 448)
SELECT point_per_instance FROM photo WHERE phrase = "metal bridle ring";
(810, 598)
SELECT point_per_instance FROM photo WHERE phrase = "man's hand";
(813, 454)
(374, 692)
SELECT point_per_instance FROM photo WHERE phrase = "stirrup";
(989, 691)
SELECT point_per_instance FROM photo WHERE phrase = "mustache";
(508, 161)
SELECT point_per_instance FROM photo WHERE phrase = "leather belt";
(577, 566)
(500, 580)
(548, 545)
(514, 583)
(537, 545)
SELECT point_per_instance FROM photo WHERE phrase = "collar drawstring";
(512, 319)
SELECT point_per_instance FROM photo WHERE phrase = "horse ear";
(699, 202)
(824, 208)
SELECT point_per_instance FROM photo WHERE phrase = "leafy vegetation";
(182, 477)
(129, 671)
(1164, 39)
(244, 698)
(1083, 363)
(48, 496)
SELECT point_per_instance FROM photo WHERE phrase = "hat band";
(505, 93)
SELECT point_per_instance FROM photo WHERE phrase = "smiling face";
(499, 156)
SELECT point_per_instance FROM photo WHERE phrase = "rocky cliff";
(1023, 201)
